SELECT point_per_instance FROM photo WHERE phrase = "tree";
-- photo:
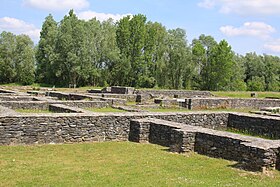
(122, 68)
(220, 67)
(45, 53)
(272, 73)
(24, 60)
(70, 47)
(254, 71)
(201, 52)
(177, 59)
(7, 57)
(238, 74)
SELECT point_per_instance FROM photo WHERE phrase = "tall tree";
(24, 60)
(202, 51)
(255, 72)
(70, 47)
(220, 68)
(7, 57)
(122, 68)
(272, 73)
(45, 53)
(177, 59)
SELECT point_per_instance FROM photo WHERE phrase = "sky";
(247, 25)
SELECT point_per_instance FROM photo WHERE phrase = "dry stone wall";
(251, 153)
(208, 103)
(59, 128)
(44, 105)
(255, 124)
(175, 93)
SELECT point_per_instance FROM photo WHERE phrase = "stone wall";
(6, 91)
(255, 124)
(208, 103)
(44, 105)
(175, 93)
(59, 108)
(58, 128)
(127, 97)
(16, 98)
(251, 153)
(122, 90)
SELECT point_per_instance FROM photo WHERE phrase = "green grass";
(119, 164)
(32, 111)
(108, 109)
(240, 94)
(247, 133)
(131, 103)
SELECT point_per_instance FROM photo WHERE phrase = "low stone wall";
(255, 124)
(6, 91)
(127, 97)
(175, 93)
(16, 98)
(122, 90)
(59, 128)
(76, 96)
(44, 105)
(208, 103)
(59, 108)
(251, 153)
(33, 105)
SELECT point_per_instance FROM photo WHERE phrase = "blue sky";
(248, 26)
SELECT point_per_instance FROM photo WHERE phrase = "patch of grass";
(247, 133)
(108, 109)
(131, 103)
(247, 94)
(32, 111)
(119, 164)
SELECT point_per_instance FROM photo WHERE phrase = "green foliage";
(7, 57)
(17, 62)
(45, 53)
(256, 84)
(132, 52)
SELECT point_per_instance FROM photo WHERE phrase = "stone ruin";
(202, 132)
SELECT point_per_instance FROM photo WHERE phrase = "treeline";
(132, 52)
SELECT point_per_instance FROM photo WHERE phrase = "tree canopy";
(131, 52)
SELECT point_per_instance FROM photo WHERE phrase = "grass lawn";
(240, 94)
(247, 133)
(108, 109)
(119, 164)
(32, 111)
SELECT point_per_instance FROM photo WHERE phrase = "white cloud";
(273, 46)
(244, 7)
(56, 5)
(256, 29)
(17, 26)
(207, 4)
(87, 15)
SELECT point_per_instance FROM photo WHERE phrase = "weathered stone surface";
(44, 105)
(48, 128)
(251, 153)
(255, 124)
(208, 103)
(177, 93)
(59, 108)
(122, 90)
